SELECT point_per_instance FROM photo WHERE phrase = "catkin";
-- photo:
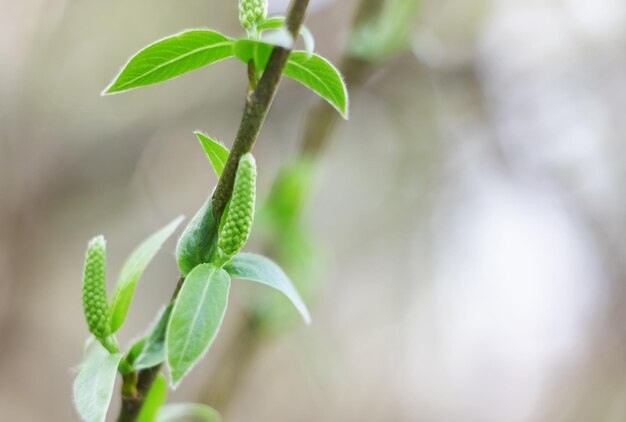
(251, 13)
(236, 230)
(94, 289)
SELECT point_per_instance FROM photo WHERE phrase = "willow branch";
(137, 384)
(257, 105)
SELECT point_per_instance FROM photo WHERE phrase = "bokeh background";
(468, 221)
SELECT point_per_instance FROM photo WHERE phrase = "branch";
(257, 105)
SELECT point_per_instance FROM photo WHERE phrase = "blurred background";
(465, 228)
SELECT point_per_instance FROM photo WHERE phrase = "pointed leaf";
(196, 318)
(185, 411)
(247, 266)
(94, 384)
(171, 57)
(151, 349)
(132, 270)
(321, 76)
(198, 242)
(272, 22)
(216, 152)
(154, 400)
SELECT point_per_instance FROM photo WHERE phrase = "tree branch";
(255, 111)
(257, 105)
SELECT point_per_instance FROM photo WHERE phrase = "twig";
(257, 104)
(255, 111)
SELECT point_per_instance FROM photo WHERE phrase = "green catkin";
(251, 13)
(236, 229)
(94, 290)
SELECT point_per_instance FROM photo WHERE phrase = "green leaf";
(154, 400)
(198, 242)
(150, 351)
(171, 57)
(273, 22)
(94, 384)
(196, 318)
(132, 270)
(258, 268)
(185, 411)
(321, 76)
(246, 49)
(216, 152)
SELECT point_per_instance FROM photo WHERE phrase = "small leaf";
(135, 350)
(246, 49)
(151, 349)
(132, 270)
(196, 318)
(273, 22)
(216, 152)
(185, 411)
(321, 76)
(94, 384)
(198, 242)
(171, 57)
(154, 400)
(247, 266)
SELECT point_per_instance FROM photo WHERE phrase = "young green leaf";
(198, 242)
(154, 400)
(216, 152)
(196, 318)
(150, 351)
(273, 22)
(246, 49)
(132, 270)
(313, 71)
(93, 386)
(185, 411)
(321, 76)
(247, 266)
(171, 57)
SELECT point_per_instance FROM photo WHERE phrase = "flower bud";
(234, 235)
(251, 13)
(94, 290)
